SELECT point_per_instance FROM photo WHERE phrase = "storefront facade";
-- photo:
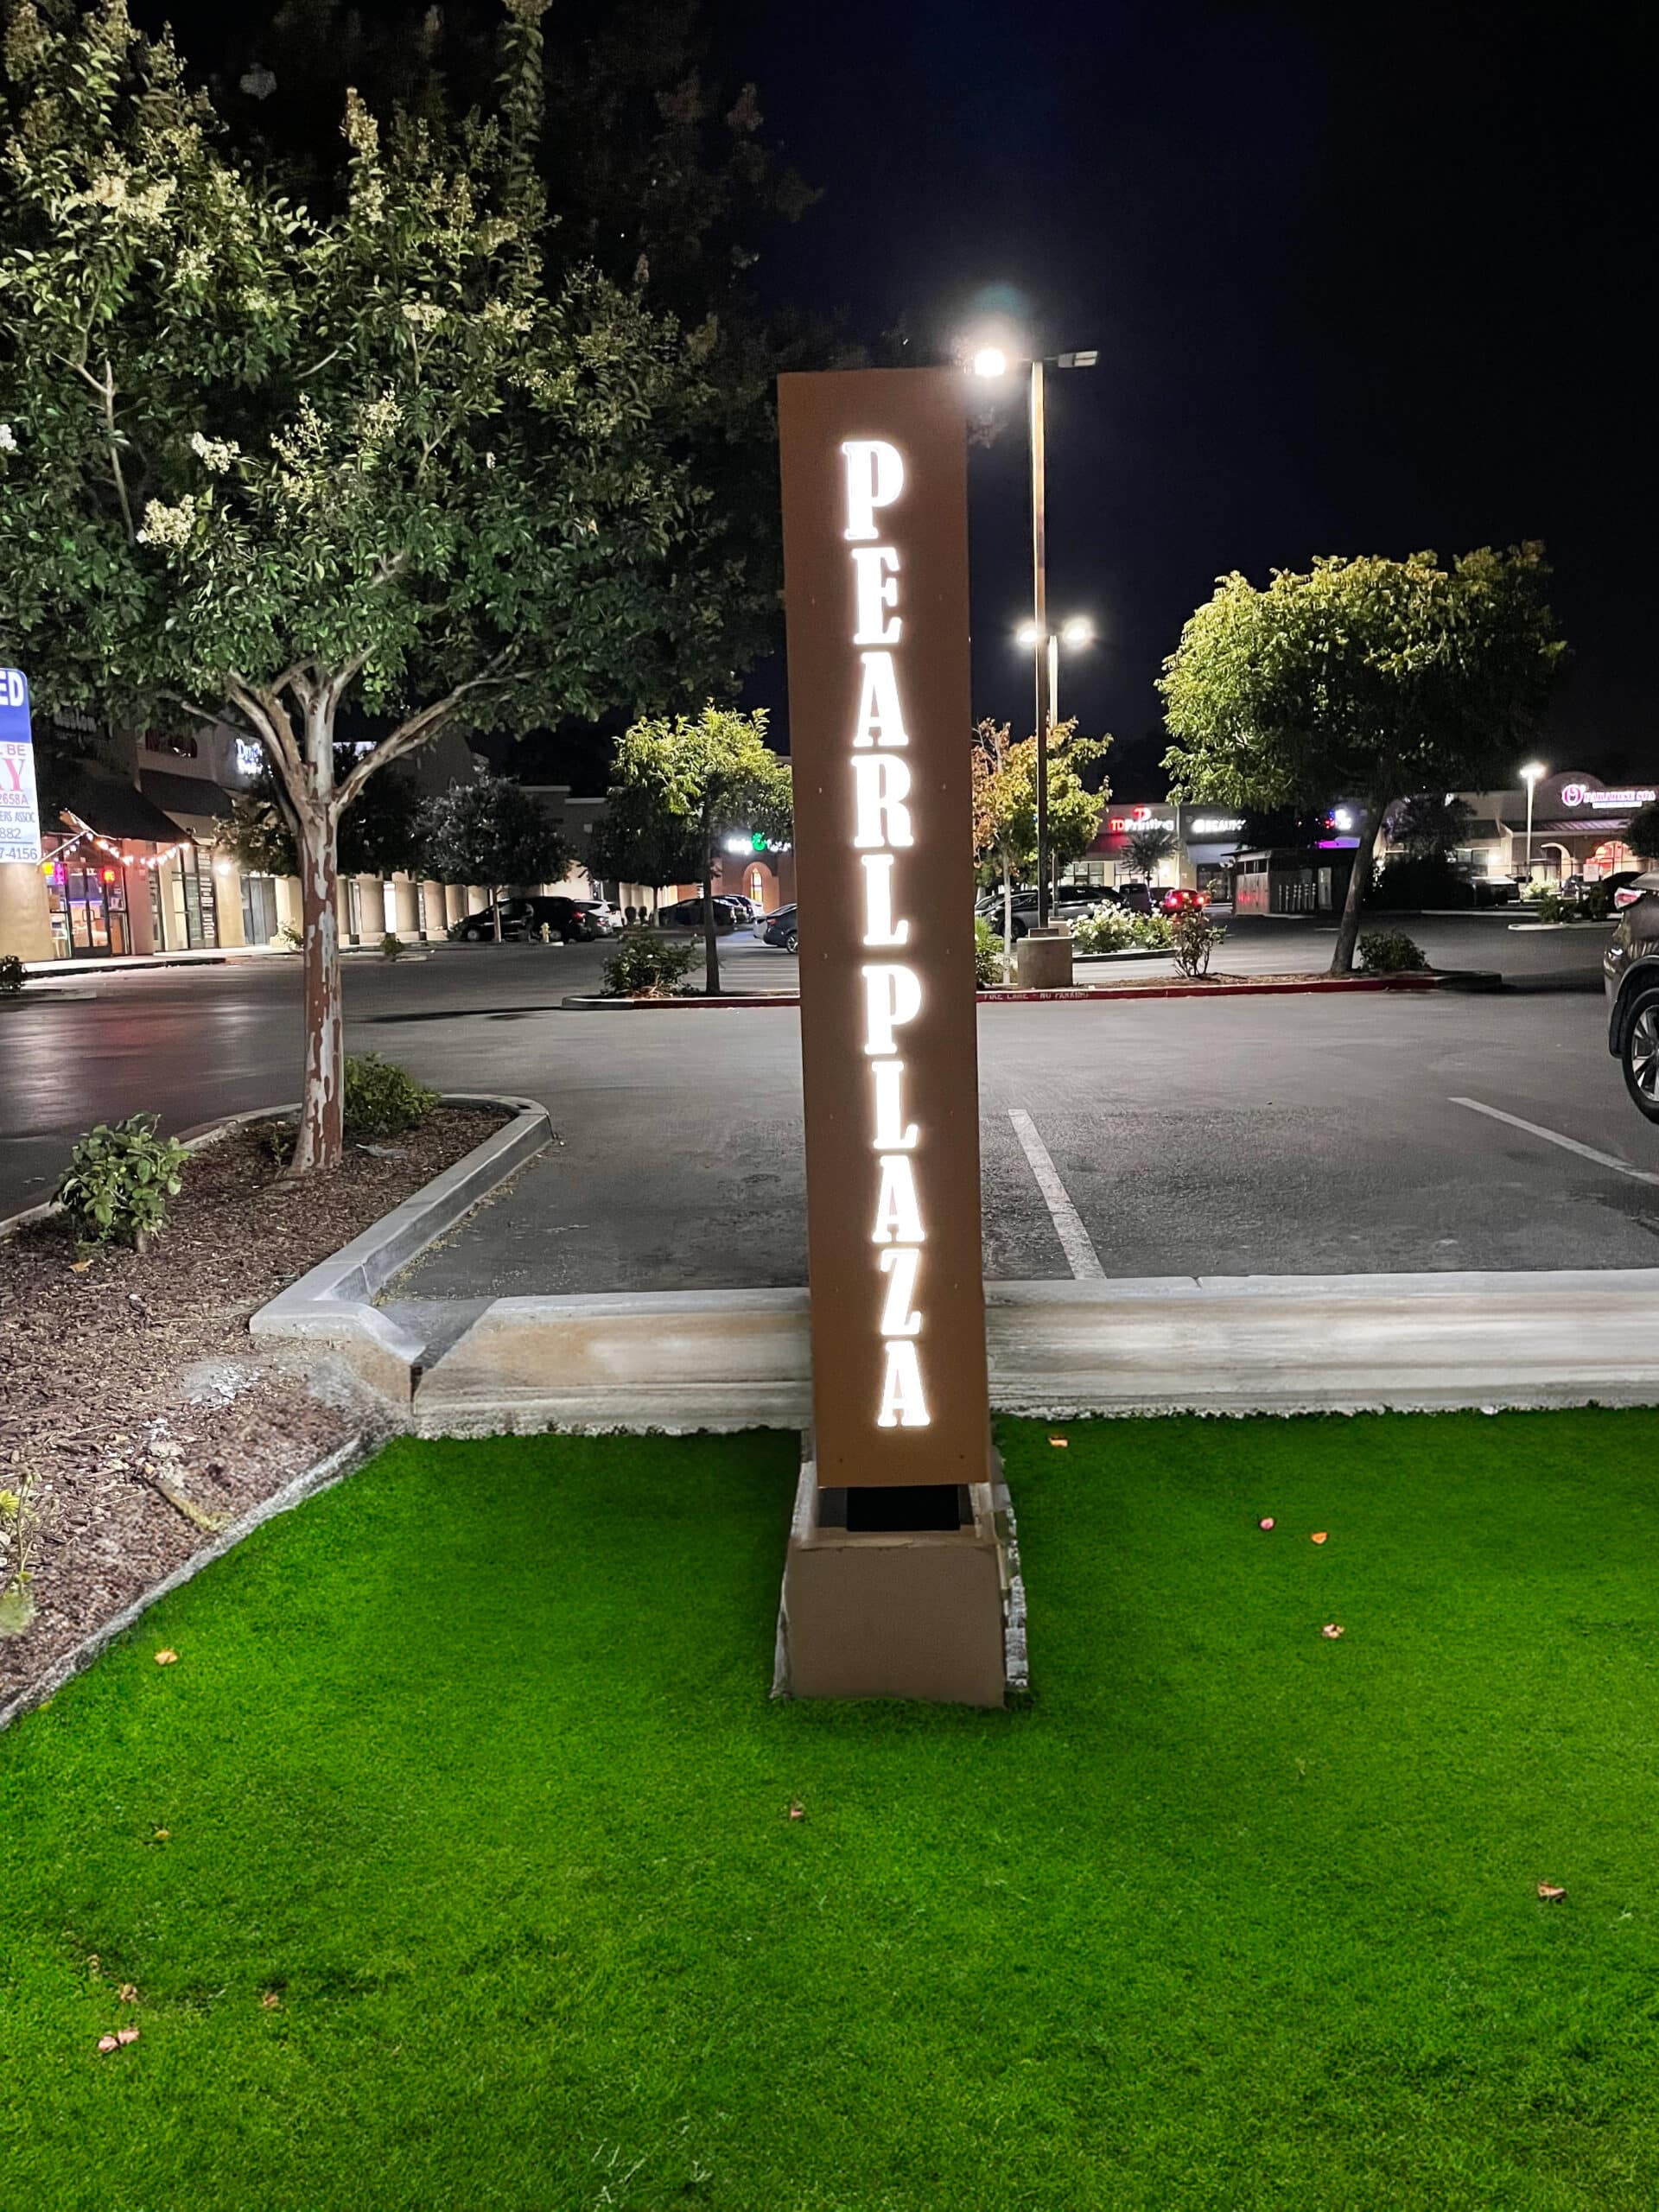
(1206, 840)
(1578, 830)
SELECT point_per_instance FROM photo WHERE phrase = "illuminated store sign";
(20, 814)
(1214, 825)
(1612, 802)
(875, 587)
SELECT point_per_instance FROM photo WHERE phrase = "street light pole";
(1044, 649)
(1529, 775)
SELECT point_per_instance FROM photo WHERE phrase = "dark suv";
(1631, 966)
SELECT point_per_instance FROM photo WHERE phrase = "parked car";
(567, 918)
(1069, 904)
(781, 928)
(1629, 967)
(688, 914)
(1180, 901)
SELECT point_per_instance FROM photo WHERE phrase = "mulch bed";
(131, 1393)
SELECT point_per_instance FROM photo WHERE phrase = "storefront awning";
(186, 796)
(105, 804)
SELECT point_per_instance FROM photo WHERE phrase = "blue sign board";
(20, 815)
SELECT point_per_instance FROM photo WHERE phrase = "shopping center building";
(1577, 826)
(133, 860)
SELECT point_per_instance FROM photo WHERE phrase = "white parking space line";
(1567, 1144)
(1080, 1252)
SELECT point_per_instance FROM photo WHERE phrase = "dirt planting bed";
(133, 1402)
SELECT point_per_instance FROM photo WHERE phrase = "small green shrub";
(1192, 938)
(21, 1521)
(288, 937)
(989, 967)
(1597, 904)
(119, 1181)
(647, 966)
(12, 975)
(1112, 930)
(392, 946)
(1390, 952)
(382, 1100)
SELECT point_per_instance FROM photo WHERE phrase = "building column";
(289, 911)
(476, 898)
(25, 919)
(433, 912)
(406, 899)
(454, 906)
(227, 903)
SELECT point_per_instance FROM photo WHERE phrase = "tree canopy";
(698, 778)
(1005, 796)
(491, 831)
(260, 458)
(1366, 679)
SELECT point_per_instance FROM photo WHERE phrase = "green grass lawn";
(470, 1762)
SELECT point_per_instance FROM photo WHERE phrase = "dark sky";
(1362, 280)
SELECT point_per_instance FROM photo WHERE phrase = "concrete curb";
(344, 1460)
(330, 1304)
(679, 1361)
(1245, 987)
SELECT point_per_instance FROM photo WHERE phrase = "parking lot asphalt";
(1213, 1137)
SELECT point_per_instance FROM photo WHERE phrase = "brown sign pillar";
(876, 565)
(887, 1601)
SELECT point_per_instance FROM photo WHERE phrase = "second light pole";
(992, 361)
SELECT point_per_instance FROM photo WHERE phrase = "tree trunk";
(1359, 883)
(1008, 920)
(495, 909)
(321, 1138)
(710, 943)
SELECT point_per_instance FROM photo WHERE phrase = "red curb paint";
(1244, 990)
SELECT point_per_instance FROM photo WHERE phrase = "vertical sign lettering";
(875, 555)
(20, 818)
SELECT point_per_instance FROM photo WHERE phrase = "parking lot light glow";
(990, 361)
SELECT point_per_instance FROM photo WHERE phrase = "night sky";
(1362, 280)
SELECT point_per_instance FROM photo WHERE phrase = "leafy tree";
(1430, 823)
(1643, 835)
(491, 831)
(1371, 678)
(1005, 803)
(699, 779)
(261, 460)
(634, 841)
(1152, 843)
(381, 836)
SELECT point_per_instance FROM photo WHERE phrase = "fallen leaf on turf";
(1333, 1630)
(1059, 1442)
(167, 1658)
(161, 1835)
(797, 1812)
(126, 2035)
(1318, 1538)
(108, 2043)
(1267, 1523)
(127, 1992)
(1549, 1893)
(270, 2001)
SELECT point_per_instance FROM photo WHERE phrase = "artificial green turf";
(472, 1760)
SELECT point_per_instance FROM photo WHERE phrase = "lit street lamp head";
(1532, 773)
(1079, 630)
(1026, 634)
(990, 361)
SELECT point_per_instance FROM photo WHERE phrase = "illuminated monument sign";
(874, 470)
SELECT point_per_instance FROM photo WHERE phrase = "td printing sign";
(19, 816)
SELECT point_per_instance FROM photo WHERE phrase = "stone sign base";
(1042, 959)
(900, 1593)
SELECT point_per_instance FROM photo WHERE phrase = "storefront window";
(87, 904)
(259, 908)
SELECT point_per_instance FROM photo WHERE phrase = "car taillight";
(1627, 897)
